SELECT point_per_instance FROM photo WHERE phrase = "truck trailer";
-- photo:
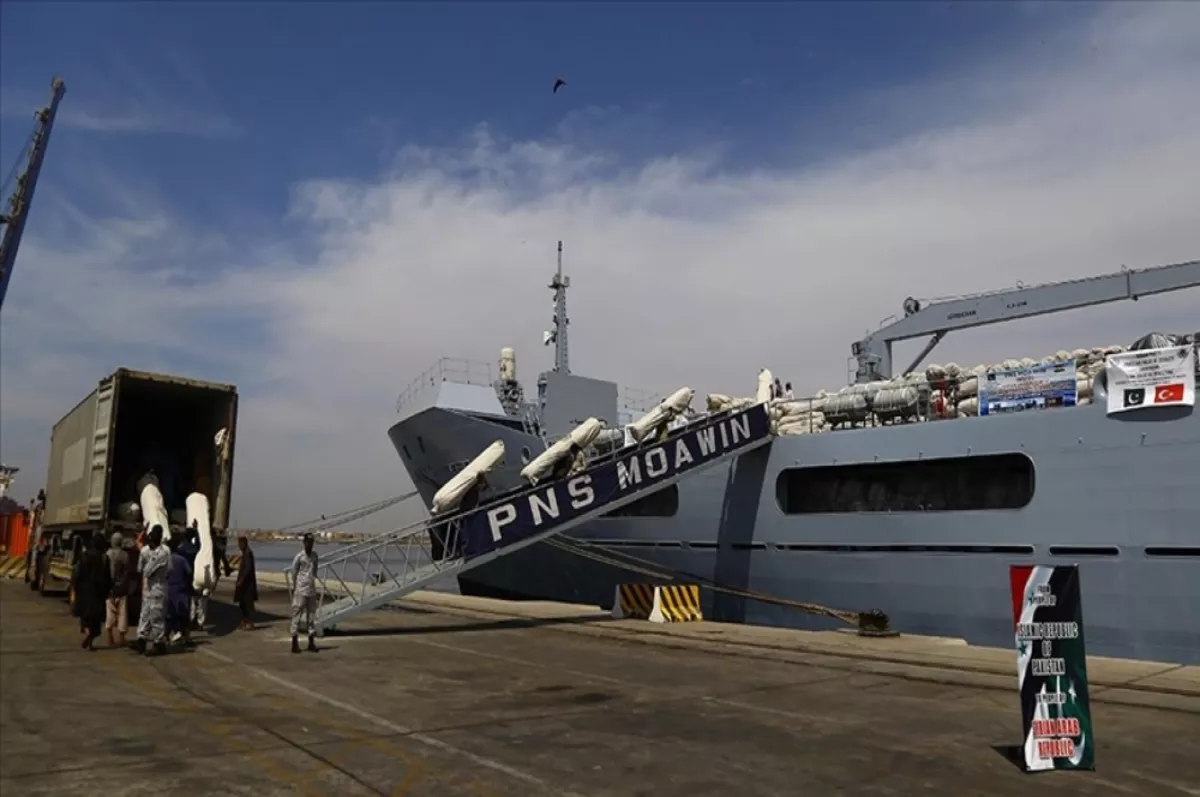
(135, 423)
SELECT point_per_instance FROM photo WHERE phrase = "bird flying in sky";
(558, 84)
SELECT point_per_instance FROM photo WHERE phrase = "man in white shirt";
(304, 594)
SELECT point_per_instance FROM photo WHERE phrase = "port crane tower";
(15, 215)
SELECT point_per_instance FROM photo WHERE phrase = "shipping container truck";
(133, 423)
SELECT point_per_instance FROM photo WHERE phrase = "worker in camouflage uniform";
(304, 593)
(154, 564)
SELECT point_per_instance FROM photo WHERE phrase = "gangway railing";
(380, 570)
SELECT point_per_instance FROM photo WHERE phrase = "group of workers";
(118, 579)
(151, 580)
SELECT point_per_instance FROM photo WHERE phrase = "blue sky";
(277, 93)
(318, 200)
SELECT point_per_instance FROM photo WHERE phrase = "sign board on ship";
(611, 484)
(1151, 378)
(1036, 387)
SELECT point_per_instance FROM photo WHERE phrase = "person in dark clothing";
(134, 603)
(189, 549)
(220, 552)
(117, 616)
(78, 551)
(93, 583)
(179, 596)
(245, 589)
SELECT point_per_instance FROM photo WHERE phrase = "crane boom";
(874, 352)
(18, 205)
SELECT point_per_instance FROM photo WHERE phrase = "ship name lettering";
(581, 491)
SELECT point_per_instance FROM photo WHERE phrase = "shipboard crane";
(874, 352)
(17, 212)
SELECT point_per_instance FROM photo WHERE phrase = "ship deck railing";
(632, 402)
(448, 369)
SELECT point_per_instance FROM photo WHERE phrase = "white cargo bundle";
(451, 493)
(718, 402)
(896, 403)
(797, 424)
(766, 383)
(846, 408)
(664, 412)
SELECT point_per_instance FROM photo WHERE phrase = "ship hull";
(1115, 495)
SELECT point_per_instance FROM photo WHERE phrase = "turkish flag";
(1168, 394)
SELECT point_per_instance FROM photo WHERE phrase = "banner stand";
(1056, 718)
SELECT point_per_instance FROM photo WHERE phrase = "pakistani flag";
(1056, 719)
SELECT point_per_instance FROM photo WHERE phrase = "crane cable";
(329, 521)
(871, 621)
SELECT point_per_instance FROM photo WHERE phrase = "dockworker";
(245, 589)
(92, 584)
(220, 552)
(179, 594)
(304, 593)
(787, 392)
(133, 608)
(777, 389)
(154, 564)
(116, 616)
(199, 600)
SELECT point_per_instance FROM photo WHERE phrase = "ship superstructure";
(911, 492)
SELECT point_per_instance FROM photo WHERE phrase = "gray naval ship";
(914, 508)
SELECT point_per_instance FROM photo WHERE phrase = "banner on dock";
(1151, 378)
(1056, 719)
(612, 483)
(1033, 388)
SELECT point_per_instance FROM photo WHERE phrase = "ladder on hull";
(387, 567)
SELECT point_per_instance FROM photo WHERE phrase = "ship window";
(406, 454)
(421, 443)
(956, 484)
(660, 503)
(525, 455)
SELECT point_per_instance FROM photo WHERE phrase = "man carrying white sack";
(304, 594)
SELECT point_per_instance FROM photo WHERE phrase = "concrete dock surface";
(445, 695)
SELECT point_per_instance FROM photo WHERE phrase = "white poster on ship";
(1151, 378)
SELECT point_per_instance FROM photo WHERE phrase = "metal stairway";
(380, 570)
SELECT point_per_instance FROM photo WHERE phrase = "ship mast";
(14, 216)
(559, 285)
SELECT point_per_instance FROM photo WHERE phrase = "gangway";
(387, 567)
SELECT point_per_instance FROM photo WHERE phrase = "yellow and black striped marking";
(680, 603)
(235, 560)
(637, 600)
(12, 566)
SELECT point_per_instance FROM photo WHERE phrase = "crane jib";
(614, 483)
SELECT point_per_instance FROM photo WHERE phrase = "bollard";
(875, 623)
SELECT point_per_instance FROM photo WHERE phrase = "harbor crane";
(874, 352)
(16, 214)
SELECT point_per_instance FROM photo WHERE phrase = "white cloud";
(1074, 156)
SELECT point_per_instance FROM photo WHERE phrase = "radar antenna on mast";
(558, 335)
